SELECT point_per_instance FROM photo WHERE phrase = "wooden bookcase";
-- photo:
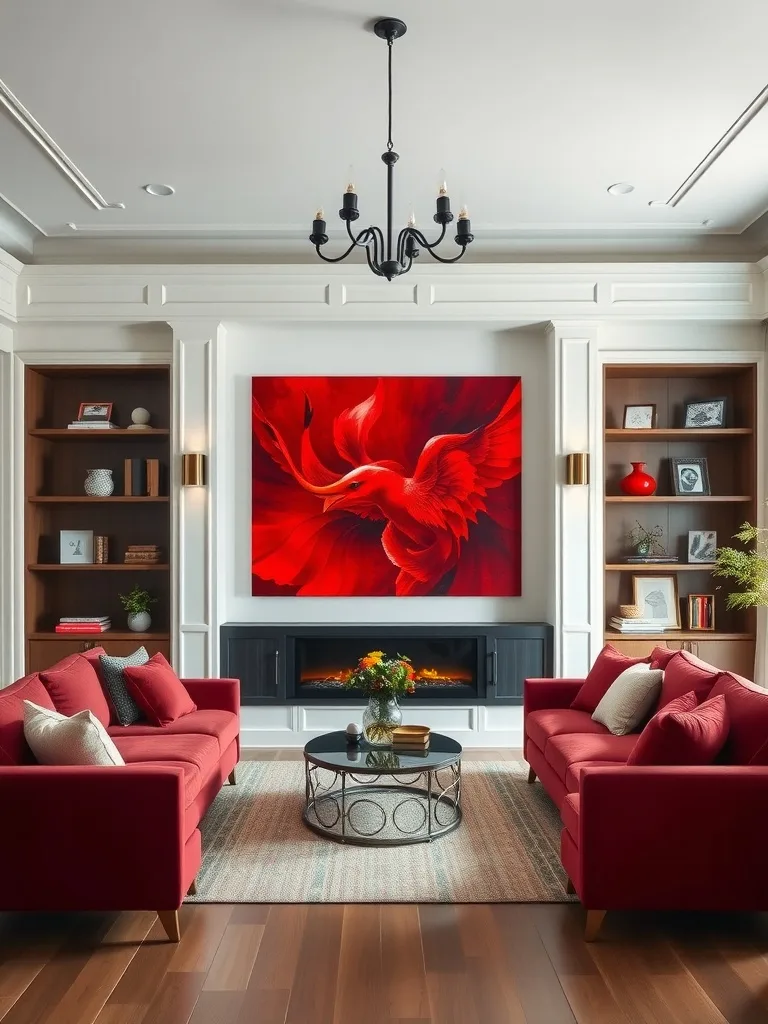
(731, 454)
(56, 464)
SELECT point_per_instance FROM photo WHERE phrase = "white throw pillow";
(56, 739)
(629, 698)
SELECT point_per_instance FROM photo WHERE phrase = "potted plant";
(137, 604)
(382, 679)
(749, 569)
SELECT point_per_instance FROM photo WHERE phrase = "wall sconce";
(193, 470)
(577, 468)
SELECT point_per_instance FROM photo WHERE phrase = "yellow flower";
(375, 656)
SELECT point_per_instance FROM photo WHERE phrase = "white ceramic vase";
(99, 483)
(139, 622)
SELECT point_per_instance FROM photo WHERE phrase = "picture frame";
(706, 413)
(657, 597)
(76, 547)
(690, 477)
(702, 547)
(95, 411)
(640, 417)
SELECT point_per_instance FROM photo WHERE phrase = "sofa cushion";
(74, 686)
(563, 751)
(125, 709)
(222, 725)
(570, 815)
(684, 673)
(573, 775)
(158, 691)
(747, 706)
(608, 666)
(542, 725)
(192, 782)
(684, 733)
(660, 656)
(14, 749)
(201, 751)
(629, 699)
(57, 739)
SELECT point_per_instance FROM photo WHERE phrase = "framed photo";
(708, 413)
(95, 411)
(76, 547)
(689, 476)
(656, 596)
(639, 417)
(702, 547)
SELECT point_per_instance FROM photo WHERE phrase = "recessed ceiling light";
(621, 188)
(159, 190)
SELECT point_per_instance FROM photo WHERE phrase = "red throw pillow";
(74, 686)
(683, 673)
(683, 733)
(747, 706)
(608, 666)
(661, 656)
(158, 691)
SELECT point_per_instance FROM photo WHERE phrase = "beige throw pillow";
(56, 739)
(629, 699)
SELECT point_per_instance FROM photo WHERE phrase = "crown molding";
(53, 151)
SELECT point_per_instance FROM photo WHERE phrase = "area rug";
(256, 848)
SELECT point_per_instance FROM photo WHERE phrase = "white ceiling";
(253, 109)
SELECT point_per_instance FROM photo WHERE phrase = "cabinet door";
(258, 664)
(513, 659)
(734, 655)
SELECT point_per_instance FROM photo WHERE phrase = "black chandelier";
(399, 257)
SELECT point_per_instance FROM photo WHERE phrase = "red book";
(82, 628)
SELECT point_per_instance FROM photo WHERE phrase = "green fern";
(748, 569)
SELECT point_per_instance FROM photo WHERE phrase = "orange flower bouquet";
(382, 679)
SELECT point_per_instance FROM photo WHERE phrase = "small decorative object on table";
(709, 412)
(76, 547)
(639, 417)
(410, 737)
(630, 611)
(139, 419)
(689, 476)
(142, 554)
(93, 416)
(382, 679)
(638, 483)
(354, 733)
(137, 604)
(99, 483)
(701, 611)
(702, 547)
(647, 543)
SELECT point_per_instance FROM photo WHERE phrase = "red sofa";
(652, 837)
(113, 838)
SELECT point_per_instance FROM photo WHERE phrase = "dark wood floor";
(389, 964)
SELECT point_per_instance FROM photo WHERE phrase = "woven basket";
(630, 611)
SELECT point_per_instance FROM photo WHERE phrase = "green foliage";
(137, 601)
(748, 569)
(647, 540)
(380, 675)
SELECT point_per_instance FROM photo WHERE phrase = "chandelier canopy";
(385, 257)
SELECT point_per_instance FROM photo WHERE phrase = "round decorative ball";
(99, 483)
(139, 419)
(354, 732)
(630, 611)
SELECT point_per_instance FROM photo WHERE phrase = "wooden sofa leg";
(531, 775)
(169, 919)
(570, 888)
(594, 921)
(192, 890)
(231, 778)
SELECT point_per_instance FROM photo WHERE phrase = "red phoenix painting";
(386, 486)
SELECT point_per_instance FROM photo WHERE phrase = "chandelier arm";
(360, 239)
(442, 259)
(402, 238)
(422, 240)
(373, 262)
(335, 259)
(378, 244)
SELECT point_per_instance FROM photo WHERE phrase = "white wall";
(381, 349)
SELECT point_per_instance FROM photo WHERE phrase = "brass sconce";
(577, 468)
(193, 470)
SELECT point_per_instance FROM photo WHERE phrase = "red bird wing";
(352, 427)
(455, 471)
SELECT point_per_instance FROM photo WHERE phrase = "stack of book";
(86, 624)
(91, 425)
(140, 554)
(637, 625)
(652, 559)
(700, 611)
(142, 477)
(101, 550)
(410, 737)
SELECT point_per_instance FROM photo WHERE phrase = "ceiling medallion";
(400, 256)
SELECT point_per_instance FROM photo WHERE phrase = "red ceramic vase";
(638, 483)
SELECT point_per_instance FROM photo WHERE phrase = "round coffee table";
(347, 802)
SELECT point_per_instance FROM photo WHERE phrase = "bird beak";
(329, 503)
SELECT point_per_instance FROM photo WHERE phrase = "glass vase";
(380, 718)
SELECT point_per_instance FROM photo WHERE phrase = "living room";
(329, 605)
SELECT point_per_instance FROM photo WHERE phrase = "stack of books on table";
(410, 737)
(86, 624)
(91, 425)
(141, 554)
(636, 625)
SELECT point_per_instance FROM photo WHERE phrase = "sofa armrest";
(541, 694)
(673, 837)
(215, 694)
(92, 838)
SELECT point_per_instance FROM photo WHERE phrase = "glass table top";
(333, 751)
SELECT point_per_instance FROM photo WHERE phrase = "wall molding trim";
(10, 269)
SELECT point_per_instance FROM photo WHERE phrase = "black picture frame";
(704, 425)
(690, 477)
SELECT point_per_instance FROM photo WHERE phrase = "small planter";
(139, 622)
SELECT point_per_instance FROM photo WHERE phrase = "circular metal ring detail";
(407, 780)
(316, 804)
(422, 824)
(362, 832)
(367, 780)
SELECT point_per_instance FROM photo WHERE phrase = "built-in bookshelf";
(730, 451)
(57, 461)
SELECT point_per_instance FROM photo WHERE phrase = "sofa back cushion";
(14, 749)
(747, 705)
(684, 732)
(683, 673)
(608, 666)
(74, 686)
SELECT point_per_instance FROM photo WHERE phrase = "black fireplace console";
(453, 664)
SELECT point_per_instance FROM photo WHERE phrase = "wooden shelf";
(679, 634)
(673, 499)
(119, 434)
(663, 434)
(99, 567)
(85, 499)
(657, 567)
(110, 634)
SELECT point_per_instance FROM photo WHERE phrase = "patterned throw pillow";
(57, 740)
(127, 710)
(629, 699)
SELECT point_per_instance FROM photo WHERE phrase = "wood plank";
(200, 937)
(145, 973)
(120, 1013)
(175, 998)
(492, 986)
(724, 988)
(278, 955)
(440, 938)
(266, 1005)
(234, 959)
(403, 958)
(313, 995)
(220, 1008)
(359, 976)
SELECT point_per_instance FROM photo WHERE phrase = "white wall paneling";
(10, 268)
(7, 489)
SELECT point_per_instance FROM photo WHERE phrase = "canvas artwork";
(386, 486)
